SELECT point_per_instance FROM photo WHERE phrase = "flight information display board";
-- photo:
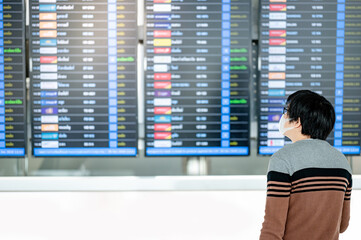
(312, 45)
(197, 77)
(83, 77)
(12, 79)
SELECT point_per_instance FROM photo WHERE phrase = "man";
(309, 181)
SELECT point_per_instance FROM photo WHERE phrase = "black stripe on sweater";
(320, 185)
(281, 196)
(278, 177)
(318, 190)
(321, 180)
(278, 190)
(278, 185)
(321, 172)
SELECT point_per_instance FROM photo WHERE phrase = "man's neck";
(299, 137)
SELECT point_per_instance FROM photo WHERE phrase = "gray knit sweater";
(309, 187)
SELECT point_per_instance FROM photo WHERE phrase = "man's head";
(309, 114)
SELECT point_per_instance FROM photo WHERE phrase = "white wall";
(191, 215)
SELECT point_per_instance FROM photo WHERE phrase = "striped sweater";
(308, 193)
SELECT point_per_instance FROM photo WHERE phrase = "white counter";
(173, 183)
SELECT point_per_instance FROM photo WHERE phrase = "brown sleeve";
(278, 195)
(345, 219)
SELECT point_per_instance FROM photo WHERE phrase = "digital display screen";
(83, 77)
(312, 45)
(12, 79)
(197, 77)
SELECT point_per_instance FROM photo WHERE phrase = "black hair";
(315, 112)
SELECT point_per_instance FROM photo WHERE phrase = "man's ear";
(297, 123)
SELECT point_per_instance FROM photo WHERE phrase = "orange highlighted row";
(277, 75)
(47, 16)
(47, 25)
(49, 127)
(48, 33)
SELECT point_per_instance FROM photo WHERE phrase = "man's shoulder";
(279, 161)
(311, 153)
(307, 145)
(283, 153)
